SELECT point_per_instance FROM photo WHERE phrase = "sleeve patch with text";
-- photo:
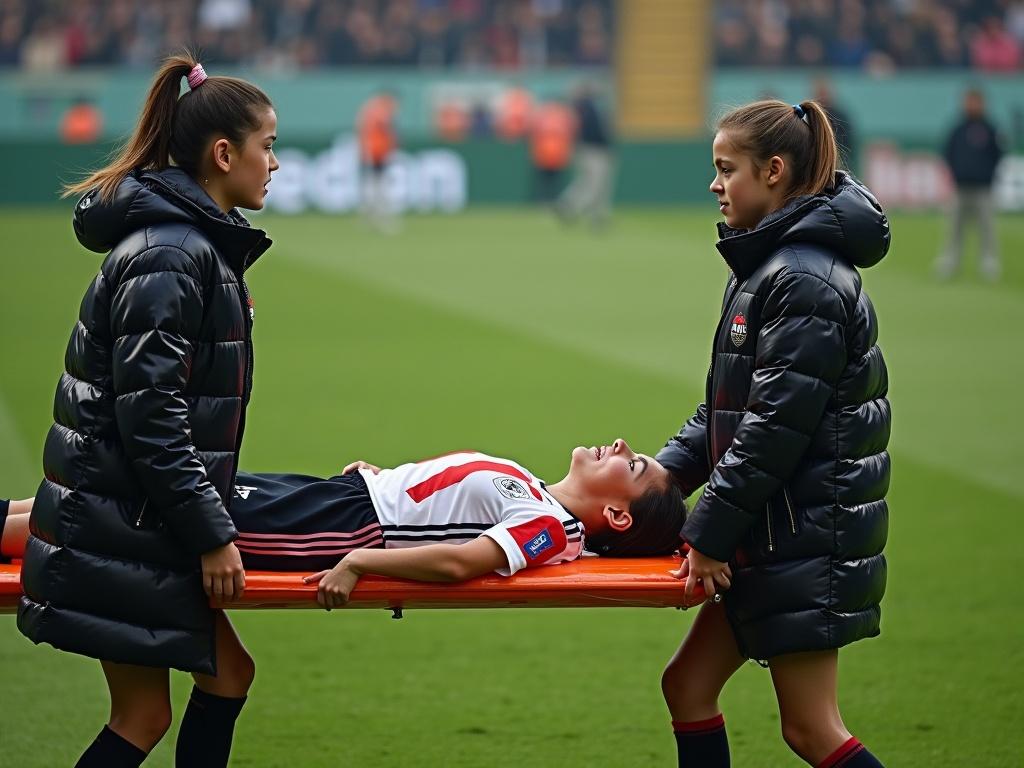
(539, 540)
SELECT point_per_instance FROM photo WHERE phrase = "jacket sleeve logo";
(738, 332)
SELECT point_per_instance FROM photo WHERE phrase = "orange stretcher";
(592, 582)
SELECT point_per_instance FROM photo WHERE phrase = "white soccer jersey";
(461, 496)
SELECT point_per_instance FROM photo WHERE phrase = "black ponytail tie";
(800, 111)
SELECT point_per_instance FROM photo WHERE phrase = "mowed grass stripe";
(637, 294)
(954, 371)
(648, 296)
(359, 369)
(344, 363)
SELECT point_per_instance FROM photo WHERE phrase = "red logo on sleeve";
(540, 539)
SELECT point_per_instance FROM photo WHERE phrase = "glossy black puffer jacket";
(791, 439)
(149, 416)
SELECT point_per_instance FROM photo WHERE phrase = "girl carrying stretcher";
(131, 522)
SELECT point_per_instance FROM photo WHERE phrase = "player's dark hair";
(658, 515)
(801, 131)
(176, 127)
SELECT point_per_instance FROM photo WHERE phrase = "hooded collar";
(845, 219)
(145, 198)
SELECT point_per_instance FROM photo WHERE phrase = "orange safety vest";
(552, 137)
(514, 111)
(376, 132)
(81, 124)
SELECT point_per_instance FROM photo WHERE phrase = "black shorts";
(302, 523)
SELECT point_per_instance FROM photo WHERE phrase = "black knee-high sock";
(5, 505)
(852, 754)
(111, 751)
(702, 744)
(204, 739)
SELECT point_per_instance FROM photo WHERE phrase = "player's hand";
(684, 567)
(682, 571)
(223, 574)
(706, 571)
(335, 585)
(361, 465)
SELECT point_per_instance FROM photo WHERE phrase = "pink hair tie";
(196, 77)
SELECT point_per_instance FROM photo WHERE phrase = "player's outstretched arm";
(435, 562)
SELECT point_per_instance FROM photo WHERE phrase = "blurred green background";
(499, 329)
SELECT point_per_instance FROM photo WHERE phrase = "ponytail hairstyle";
(801, 132)
(174, 128)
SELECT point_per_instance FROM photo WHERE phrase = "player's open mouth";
(599, 452)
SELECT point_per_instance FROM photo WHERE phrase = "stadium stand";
(875, 35)
(302, 34)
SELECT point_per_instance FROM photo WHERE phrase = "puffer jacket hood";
(847, 220)
(146, 198)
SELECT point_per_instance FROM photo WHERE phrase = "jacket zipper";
(771, 539)
(710, 386)
(247, 301)
(138, 521)
(789, 509)
(247, 383)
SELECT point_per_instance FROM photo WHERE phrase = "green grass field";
(500, 331)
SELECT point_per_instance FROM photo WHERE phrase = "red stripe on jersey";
(454, 475)
(541, 539)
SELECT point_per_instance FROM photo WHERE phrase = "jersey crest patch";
(739, 330)
(511, 489)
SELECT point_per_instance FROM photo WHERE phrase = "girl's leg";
(204, 739)
(14, 533)
(806, 685)
(692, 683)
(699, 670)
(140, 714)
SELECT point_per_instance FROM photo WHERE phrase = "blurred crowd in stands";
(874, 35)
(49, 35)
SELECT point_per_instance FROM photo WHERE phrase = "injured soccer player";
(445, 519)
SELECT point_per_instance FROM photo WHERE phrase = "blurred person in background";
(377, 143)
(993, 48)
(842, 126)
(552, 134)
(82, 123)
(973, 151)
(513, 113)
(590, 193)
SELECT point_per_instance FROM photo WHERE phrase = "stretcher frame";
(591, 582)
